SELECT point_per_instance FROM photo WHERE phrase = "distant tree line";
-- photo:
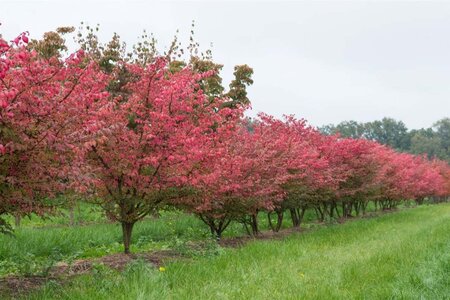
(433, 141)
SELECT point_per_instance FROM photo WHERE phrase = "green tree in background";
(388, 132)
(433, 141)
(442, 128)
(351, 129)
(425, 141)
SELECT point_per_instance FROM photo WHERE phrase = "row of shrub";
(140, 132)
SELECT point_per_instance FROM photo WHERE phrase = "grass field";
(38, 244)
(400, 255)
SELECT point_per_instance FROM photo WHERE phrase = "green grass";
(84, 213)
(39, 243)
(32, 249)
(402, 255)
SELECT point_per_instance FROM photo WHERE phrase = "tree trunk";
(276, 227)
(127, 229)
(364, 206)
(344, 209)
(72, 215)
(332, 209)
(294, 217)
(301, 213)
(385, 204)
(319, 213)
(17, 219)
(220, 228)
(213, 231)
(217, 226)
(347, 209)
(327, 209)
(337, 210)
(254, 223)
(246, 228)
(357, 205)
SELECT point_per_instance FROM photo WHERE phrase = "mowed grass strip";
(401, 255)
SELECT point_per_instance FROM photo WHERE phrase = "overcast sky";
(322, 61)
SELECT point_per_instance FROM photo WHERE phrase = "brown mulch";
(18, 285)
(115, 261)
(14, 286)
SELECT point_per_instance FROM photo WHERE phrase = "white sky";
(323, 61)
